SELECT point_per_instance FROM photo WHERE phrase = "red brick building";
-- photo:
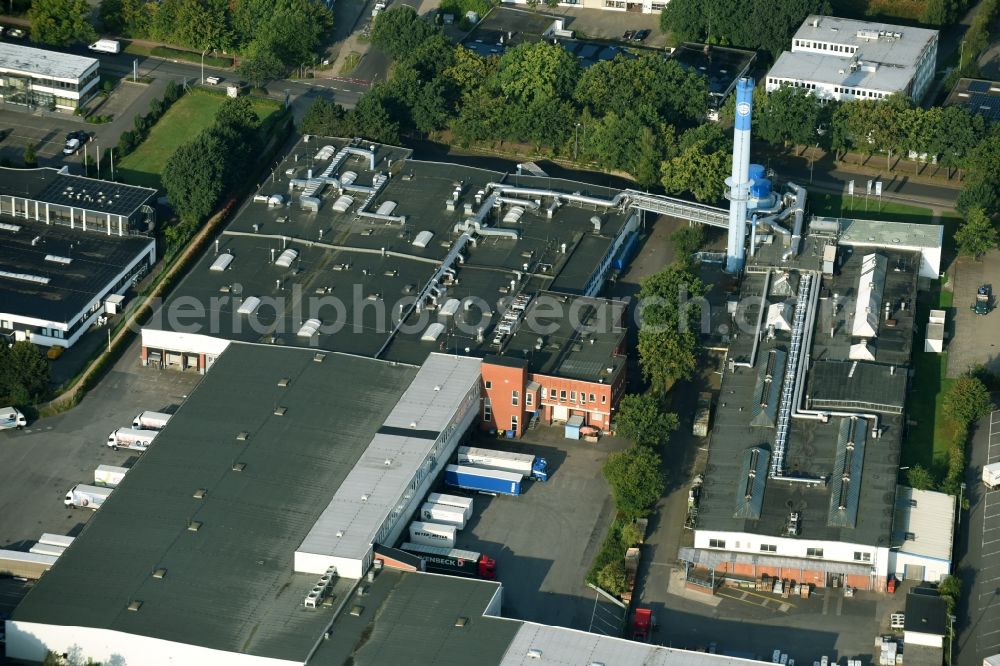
(566, 359)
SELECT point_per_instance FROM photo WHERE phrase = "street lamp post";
(203, 64)
(961, 498)
(576, 142)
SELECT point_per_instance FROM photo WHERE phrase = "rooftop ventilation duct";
(286, 258)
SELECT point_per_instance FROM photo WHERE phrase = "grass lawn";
(182, 122)
(835, 205)
(177, 54)
(926, 443)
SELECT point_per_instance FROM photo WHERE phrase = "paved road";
(978, 553)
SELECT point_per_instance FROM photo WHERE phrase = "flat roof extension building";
(846, 59)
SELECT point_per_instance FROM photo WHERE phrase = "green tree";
(398, 31)
(324, 118)
(667, 355)
(30, 156)
(261, 66)
(24, 374)
(687, 241)
(698, 171)
(950, 589)
(920, 478)
(977, 235)
(787, 115)
(60, 22)
(968, 399)
(195, 176)
(537, 71)
(641, 419)
(372, 118)
(111, 15)
(635, 479)
(469, 71)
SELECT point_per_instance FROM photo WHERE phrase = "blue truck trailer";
(489, 481)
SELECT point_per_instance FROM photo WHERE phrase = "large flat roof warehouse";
(54, 273)
(39, 62)
(229, 585)
(351, 238)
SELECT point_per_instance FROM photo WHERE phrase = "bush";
(611, 577)
(612, 549)
(635, 479)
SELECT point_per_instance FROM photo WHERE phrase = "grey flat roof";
(229, 585)
(343, 254)
(924, 523)
(409, 618)
(883, 232)
(17, 58)
(799, 66)
(812, 446)
(902, 51)
(581, 337)
(848, 385)
(48, 185)
(95, 259)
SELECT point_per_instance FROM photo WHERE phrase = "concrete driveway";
(40, 463)
(976, 337)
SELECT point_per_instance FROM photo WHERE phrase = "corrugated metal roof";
(17, 58)
(378, 482)
(926, 516)
(868, 307)
(845, 483)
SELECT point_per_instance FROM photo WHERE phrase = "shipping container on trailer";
(464, 503)
(488, 481)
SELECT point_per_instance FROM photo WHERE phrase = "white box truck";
(127, 438)
(106, 46)
(56, 540)
(464, 503)
(11, 418)
(150, 421)
(991, 475)
(86, 497)
(432, 534)
(109, 476)
(440, 513)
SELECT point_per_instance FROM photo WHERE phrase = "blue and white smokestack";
(739, 183)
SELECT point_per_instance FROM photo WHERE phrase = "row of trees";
(632, 114)
(894, 127)
(669, 345)
(200, 171)
(967, 400)
(765, 25)
(24, 374)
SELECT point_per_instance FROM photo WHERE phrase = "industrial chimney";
(739, 183)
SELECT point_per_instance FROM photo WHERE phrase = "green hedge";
(191, 56)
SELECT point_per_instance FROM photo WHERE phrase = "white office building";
(844, 59)
(45, 79)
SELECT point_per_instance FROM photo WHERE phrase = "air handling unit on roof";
(286, 258)
(433, 332)
(309, 328)
(249, 305)
(423, 238)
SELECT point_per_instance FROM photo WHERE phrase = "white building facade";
(45, 79)
(844, 59)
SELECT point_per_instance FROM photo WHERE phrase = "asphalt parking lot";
(41, 462)
(544, 540)
(976, 337)
(978, 553)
